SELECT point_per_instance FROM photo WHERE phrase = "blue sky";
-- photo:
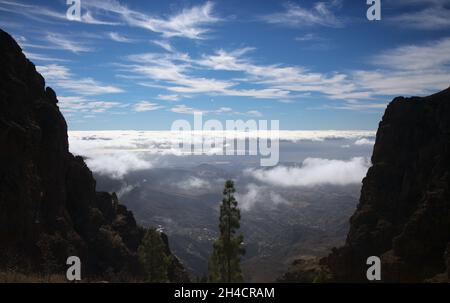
(309, 64)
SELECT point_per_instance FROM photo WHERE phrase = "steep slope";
(49, 208)
(404, 210)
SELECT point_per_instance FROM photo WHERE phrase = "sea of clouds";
(116, 153)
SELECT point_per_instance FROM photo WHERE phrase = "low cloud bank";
(162, 142)
(314, 171)
(256, 194)
(116, 164)
(116, 153)
(193, 183)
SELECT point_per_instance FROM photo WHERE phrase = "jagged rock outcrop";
(404, 211)
(49, 208)
(403, 215)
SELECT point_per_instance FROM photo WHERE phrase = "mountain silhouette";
(49, 207)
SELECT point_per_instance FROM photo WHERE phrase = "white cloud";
(278, 199)
(404, 70)
(183, 109)
(170, 97)
(194, 85)
(312, 41)
(281, 80)
(165, 45)
(431, 55)
(321, 135)
(87, 86)
(57, 41)
(72, 42)
(409, 83)
(109, 153)
(160, 142)
(224, 110)
(364, 141)
(36, 12)
(432, 15)
(314, 171)
(119, 38)
(321, 14)
(193, 183)
(118, 152)
(54, 71)
(145, 106)
(250, 198)
(42, 57)
(41, 13)
(125, 189)
(256, 195)
(188, 23)
(308, 37)
(90, 19)
(408, 70)
(356, 105)
(61, 76)
(254, 113)
(77, 104)
(173, 71)
(117, 164)
(223, 60)
(430, 18)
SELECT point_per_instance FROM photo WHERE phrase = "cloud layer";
(116, 153)
(313, 172)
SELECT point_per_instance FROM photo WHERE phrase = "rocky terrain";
(404, 211)
(49, 207)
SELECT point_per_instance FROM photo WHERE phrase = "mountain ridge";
(49, 207)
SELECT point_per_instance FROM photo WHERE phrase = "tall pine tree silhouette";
(224, 263)
(152, 256)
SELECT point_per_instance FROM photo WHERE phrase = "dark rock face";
(404, 211)
(49, 208)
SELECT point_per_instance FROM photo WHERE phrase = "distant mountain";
(49, 208)
(404, 211)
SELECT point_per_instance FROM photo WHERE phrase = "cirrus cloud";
(145, 106)
(321, 13)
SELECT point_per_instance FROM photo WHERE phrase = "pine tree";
(152, 255)
(224, 263)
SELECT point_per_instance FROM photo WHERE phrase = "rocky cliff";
(49, 208)
(403, 215)
(404, 211)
